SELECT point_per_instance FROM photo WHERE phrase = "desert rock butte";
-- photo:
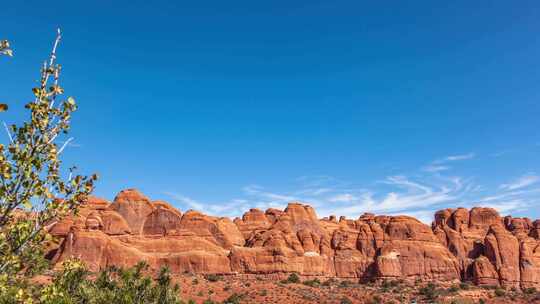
(475, 245)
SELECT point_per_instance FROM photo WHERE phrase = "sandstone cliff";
(476, 245)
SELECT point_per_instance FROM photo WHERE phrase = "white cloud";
(186, 200)
(500, 153)
(344, 197)
(460, 157)
(521, 182)
(315, 191)
(506, 206)
(452, 158)
(435, 168)
(256, 190)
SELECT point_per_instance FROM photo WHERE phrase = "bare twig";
(7, 131)
(65, 145)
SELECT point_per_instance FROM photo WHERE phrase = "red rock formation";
(476, 244)
(491, 250)
(134, 207)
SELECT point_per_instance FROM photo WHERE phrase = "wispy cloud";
(258, 191)
(453, 158)
(344, 197)
(500, 153)
(435, 168)
(521, 182)
(418, 194)
(191, 203)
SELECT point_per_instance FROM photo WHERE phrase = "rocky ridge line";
(475, 245)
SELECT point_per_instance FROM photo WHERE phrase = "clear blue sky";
(402, 107)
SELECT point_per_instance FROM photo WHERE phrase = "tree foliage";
(5, 50)
(34, 190)
(113, 285)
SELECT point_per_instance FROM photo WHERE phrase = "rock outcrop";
(491, 250)
(475, 245)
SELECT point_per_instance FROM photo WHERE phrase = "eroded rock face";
(476, 245)
(134, 207)
(491, 250)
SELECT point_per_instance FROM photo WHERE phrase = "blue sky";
(351, 106)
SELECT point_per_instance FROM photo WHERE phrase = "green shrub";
(499, 292)
(490, 287)
(462, 301)
(345, 300)
(213, 277)
(430, 291)
(233, 299)
(293, 278)
(389, 284)
(329, 282)
(464, 286)
(453, 289)
(113, 285)
(344, 284)
(312, 283)
(530, 290)
(375, 299)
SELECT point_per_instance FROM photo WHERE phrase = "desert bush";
(390, 284)
(329, 282)
(499, 292)
(430, 291)
(312, 283)
(114, 285)
(462, 301)
(453, 289)
(293, 278)
(344, 284)
(213, 277)
(345, 300)
(375, 299)
(464, 286)
(530, 290)
(490, 287)
(233, 299)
